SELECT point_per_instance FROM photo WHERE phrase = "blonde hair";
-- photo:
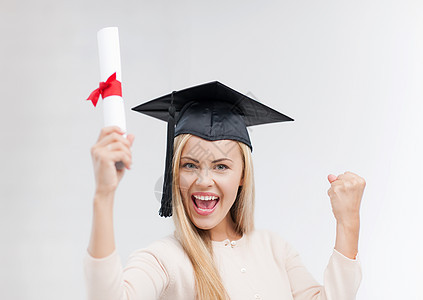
(195, 241)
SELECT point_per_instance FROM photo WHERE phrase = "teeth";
(206, 197)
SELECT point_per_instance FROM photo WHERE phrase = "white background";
(349, 72)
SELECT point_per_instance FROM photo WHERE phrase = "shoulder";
(267, 236)
(166, 248)
(163, 261)
(166, 256)
(167, 241)
(272, 240)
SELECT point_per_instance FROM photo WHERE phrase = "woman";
(215, 252)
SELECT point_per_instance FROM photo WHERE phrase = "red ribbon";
(111, 87)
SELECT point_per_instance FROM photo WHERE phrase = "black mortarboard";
(211, 111)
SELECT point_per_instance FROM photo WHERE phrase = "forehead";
(202, 149)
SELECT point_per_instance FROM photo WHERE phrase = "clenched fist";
(345, 195)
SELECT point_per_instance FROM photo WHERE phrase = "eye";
(189, 166)
(221, 167)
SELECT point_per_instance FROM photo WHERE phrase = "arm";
(342, 278)
(343, 273)
(144, 275)
(102, 268)
(347, 239)
(102, 240)
(111, 147)
(345, 193)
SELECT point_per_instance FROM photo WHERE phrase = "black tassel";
(166, 203)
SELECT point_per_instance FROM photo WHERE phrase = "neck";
(224, 230)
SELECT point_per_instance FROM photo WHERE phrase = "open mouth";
(205, 205)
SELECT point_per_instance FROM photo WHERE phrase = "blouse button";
(243, 270)
(233, 243)
(257, 296)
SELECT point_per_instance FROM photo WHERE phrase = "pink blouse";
(260, 265)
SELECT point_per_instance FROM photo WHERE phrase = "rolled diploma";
(109, 56)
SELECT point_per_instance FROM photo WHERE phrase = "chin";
(204, 224)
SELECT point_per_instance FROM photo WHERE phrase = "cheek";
(185, 181)
(232, 181)
(230, 188)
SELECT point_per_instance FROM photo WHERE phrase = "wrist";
(347, 235)
(352, 224)
(102, 197)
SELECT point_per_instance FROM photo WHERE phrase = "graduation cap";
(212, 111)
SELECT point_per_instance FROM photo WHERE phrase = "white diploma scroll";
(109, 56)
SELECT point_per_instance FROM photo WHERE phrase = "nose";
(204, 178)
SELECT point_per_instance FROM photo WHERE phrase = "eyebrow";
(215, 161)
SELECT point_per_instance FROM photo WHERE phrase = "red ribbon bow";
(111, 87)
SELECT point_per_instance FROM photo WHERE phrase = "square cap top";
(212, 111)
(252, 111)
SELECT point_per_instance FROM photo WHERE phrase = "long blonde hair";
(195, 241)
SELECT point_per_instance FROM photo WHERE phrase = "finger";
(354, 179)
(103, 152)
(332, 178)
(109, 129)
(123, 157)
(131, 139)
(347, 176)
(112, 157)
(117, 146)
(111, 138)
(351, 173)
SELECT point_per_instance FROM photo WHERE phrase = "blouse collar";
(229, 243)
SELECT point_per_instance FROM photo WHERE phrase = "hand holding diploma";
(345, 194)
(110, 147)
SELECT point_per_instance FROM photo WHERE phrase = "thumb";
(131, 138)
(332, 178)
